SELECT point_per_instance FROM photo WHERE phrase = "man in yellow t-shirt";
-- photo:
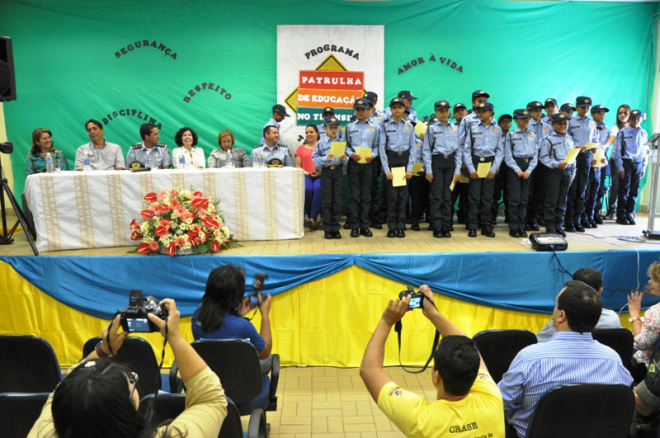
(468, 405)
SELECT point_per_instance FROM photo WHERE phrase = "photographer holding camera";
(468, 400)
(221, 315)
(98, 397)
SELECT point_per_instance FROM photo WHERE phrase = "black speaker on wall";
(7, 79)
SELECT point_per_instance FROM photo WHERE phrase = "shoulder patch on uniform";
(137, 146)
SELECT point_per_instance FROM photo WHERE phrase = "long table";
(75, 210)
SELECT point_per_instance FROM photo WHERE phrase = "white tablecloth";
(74, 210)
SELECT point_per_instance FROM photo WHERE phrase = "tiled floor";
(333, 402)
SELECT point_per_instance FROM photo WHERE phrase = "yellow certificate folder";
(483, 169)
(591, 145)
(398, 176)
(571, 156)
(598, 156)
(417, 167)
(420, 128)
(464, 179)
(338, 148)
(363, 153)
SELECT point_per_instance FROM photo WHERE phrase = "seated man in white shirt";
(608, 317)
(101, 154)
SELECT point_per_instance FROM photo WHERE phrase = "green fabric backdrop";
(67, 69)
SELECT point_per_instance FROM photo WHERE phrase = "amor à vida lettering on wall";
(318, 89)
(130, 113)
(168, 52)
(206, 86)
(447, 62)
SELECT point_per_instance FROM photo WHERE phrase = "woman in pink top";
(312, 180)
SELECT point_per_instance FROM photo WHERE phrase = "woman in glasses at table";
(42, 144)
(227, 152)
(98, 396)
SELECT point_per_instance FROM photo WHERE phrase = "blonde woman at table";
(227, 152)
(42, 144)
(186, 139)
(312, 173)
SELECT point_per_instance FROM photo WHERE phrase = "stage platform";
(606, 237)
(328, 294)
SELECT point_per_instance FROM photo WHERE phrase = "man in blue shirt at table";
(158, 152)
(571, 356)
(272, 153)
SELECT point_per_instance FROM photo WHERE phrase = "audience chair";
(19, 411)
(499, 347)
(619, 340)
(138, 354)
(27, 364)
(236, 362)
(169, 406)
(585, 410)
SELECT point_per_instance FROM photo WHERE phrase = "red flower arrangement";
(180, 222)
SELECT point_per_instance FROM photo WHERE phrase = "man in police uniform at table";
(158, 152)
(101, 154)
(272, 153)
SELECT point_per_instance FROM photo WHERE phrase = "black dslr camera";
(134, 317)
(258, 286)
(416, 298)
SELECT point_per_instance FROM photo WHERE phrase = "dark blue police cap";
(521, 114)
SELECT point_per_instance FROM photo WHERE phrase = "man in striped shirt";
(571, 356)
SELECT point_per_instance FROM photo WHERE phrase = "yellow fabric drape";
(327, 322)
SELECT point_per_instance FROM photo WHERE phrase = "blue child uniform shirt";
(321, 151)
(521, 144)
(554, 149)
(397, 137)
(636, 149)
(442, 140)
(362, 134)
(487, 143)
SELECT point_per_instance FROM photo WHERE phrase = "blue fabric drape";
(517, 281)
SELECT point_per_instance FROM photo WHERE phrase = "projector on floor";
(548, 242)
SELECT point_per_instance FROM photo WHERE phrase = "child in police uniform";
(482, 146)
(397, 143)
(331, 178)
(630, 154)
(592, 204)
(559, 174)
(442, 162)
(500, 190)
(521, 157)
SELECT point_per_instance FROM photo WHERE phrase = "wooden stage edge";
(604, 238)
